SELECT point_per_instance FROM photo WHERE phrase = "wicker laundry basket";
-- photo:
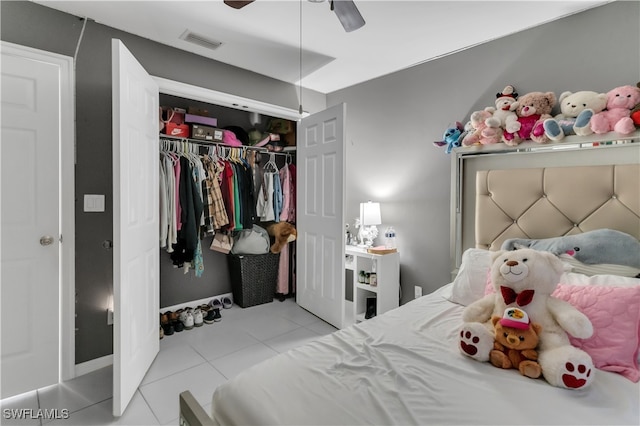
(254, 278)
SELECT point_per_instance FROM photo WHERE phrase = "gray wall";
(43, 28)
(393, 120)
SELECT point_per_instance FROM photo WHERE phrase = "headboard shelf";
(527, 168)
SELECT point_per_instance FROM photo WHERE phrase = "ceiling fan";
(345, 10)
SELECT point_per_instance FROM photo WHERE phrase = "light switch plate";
(94, 202)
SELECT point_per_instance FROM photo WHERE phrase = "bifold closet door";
(320, 214)
(136, 285)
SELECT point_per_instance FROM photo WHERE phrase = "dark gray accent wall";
(393, 120)
(36, 26)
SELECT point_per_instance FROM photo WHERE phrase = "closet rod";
(207, 144)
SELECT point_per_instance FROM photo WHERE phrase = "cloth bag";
(222, 242)
(251, 241)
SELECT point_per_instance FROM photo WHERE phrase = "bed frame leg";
(192, 413)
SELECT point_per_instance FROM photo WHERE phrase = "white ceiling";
(265, 35)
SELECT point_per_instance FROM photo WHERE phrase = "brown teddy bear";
(283, 233)
(533, 109)
(516, 340)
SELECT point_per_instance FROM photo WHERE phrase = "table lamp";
(369, 218)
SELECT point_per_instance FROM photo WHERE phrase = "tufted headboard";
(555, 201)
(543, 190)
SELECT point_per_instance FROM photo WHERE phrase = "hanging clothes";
(191, 209)
(215, 213)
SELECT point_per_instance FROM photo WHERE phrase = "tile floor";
(197, 360)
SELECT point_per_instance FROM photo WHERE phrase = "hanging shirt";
(277, 197)
(215, 213)
(285, 181)
(264, 207)
(292, 194)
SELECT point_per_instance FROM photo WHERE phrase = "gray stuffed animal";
(592, 247)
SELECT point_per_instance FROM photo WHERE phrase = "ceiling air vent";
(200, 40)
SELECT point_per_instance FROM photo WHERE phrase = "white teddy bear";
(576, 112)
(504, 114)
(525, 279)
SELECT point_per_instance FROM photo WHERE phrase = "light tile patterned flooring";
(197, 360)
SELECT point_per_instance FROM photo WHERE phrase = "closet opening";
(182, 286)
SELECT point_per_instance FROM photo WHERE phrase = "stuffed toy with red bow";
(526, 279)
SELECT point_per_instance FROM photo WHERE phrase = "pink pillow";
(615, 315)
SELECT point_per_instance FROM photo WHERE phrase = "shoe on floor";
(216, 314)
(198, 319)
(166, 324)
(208, 316)
(186, 317)
(215, 304)
(226, 303)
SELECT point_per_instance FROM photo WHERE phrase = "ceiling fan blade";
(237, 4)
(348, 14)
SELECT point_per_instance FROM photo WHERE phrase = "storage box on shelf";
(387, 275)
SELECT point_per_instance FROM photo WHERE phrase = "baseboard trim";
(93, 365)
(107, 360)
(195, 303)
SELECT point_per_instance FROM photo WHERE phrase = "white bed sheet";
(404, 368)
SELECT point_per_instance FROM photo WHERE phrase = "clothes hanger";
(271, 165)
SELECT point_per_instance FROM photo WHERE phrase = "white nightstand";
(387, 269)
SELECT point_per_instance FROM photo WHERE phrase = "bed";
(404, 367)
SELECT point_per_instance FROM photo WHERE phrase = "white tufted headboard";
(543, 191)
(550, 202)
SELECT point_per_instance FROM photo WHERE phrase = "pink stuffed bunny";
(620, 102)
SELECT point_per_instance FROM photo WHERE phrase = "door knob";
(46, 240)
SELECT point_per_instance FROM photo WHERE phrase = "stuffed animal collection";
(514, 119)
(525, 279)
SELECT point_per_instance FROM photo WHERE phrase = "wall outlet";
(109, 317)
(418, 291)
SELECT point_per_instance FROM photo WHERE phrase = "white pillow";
(468, 286)
(603, 280)
(599, 269)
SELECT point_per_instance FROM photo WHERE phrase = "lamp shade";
(370, 214)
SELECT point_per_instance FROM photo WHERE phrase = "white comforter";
(404, 368)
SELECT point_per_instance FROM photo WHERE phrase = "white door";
(320, 214)
(30, 250)
(136, 251)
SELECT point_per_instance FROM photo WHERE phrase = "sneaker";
(226, 303)
(161, 333)
(216, 315)
(178, 326)
(197, 318)
(215, 304)
(208, 314)
(186, 317)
